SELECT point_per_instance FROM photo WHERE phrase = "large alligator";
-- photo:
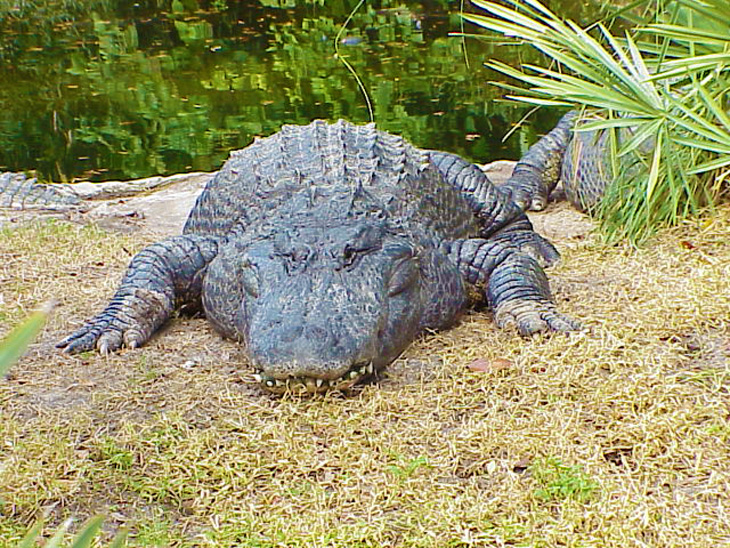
(325, 249)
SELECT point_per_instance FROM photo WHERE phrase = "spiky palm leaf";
(83, 539)
(14, 344)
(661, 90)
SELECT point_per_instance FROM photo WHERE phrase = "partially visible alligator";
(19, 191)
(326, 249)
(577, 159)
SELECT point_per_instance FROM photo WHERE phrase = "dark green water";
(106, 89)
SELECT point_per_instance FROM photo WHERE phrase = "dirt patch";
(162, 213)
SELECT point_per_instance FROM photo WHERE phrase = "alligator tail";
(20, 192)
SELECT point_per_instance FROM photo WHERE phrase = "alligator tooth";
(310, 385)
(370, 368)
(279, 382)
(257, 377)
(354, 374)
(319, 382)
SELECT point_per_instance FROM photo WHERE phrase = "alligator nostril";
(287, 333)
(315, 332)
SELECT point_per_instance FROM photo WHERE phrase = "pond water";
(107, 89)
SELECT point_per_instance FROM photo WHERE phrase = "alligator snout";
(318, 307)
(313, 335)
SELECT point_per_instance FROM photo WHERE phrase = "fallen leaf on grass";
(497, 364)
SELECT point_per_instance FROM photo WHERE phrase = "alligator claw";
(103, 333)
(532, 316)
(79, 341)
(134, 338)
(63, 343)
(539, 202)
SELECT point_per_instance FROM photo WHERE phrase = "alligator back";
(585, 170)
(327, 160)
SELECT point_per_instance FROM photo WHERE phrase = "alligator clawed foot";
(104, 334)
(533, 316)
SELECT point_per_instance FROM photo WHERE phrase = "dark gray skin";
(326, 249)
(577, 159)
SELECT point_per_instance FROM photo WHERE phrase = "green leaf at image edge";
(83, 539)
(16, 342)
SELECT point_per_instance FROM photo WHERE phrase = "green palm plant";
(14, 344)
(12, 347)
(662, 91)
(83, 539)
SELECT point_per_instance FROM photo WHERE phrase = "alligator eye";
(250, 279)
(404, 277)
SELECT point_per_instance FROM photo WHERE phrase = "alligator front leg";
(520, 234)
(159, 278)
(493, 206)
(515, 284)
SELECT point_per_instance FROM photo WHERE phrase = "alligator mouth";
(313, 385)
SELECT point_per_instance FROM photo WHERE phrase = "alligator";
(21, 192)
(576, 159)
(325, 249)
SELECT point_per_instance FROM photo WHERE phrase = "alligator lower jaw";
(312, 385)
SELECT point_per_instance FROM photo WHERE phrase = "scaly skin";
(577, 159)
(325, 249)
(20, 192)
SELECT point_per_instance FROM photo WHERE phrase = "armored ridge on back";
(325, 249)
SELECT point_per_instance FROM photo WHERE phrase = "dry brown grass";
(616, 437)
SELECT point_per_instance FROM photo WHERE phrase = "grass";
(558, 481)
(615, 437)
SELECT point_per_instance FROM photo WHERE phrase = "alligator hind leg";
(515, 284)
(159, 278)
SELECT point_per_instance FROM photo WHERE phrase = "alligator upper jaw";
(313, 385)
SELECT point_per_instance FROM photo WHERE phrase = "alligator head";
(321, 298)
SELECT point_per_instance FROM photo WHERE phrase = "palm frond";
(661, 90)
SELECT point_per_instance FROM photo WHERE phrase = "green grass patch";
(557, 481)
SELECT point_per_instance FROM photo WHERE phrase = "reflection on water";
(112, 90)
